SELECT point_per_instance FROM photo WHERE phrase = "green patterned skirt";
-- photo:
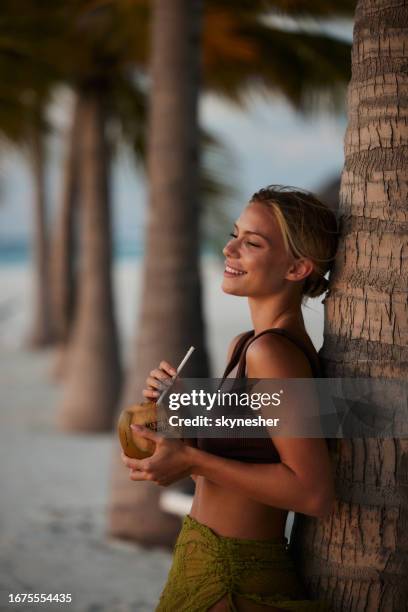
(207, 567)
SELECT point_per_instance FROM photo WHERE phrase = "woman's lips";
(233, 272)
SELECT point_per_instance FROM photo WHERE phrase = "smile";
(232, 272)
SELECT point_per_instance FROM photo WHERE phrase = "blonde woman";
(231, 553)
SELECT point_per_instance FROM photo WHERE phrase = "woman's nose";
(230, 249)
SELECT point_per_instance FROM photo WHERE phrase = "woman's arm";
(274, 484)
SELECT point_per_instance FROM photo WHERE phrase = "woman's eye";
(246, 242)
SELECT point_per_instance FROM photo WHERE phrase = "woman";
(231, 553)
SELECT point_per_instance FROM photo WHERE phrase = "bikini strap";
(283, 332)
(236, 353)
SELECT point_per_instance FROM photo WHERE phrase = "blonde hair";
(309, 229)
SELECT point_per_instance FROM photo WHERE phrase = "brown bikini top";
(251, 450)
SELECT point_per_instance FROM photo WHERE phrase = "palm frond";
(310, 70)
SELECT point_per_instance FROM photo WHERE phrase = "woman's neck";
(275, 312)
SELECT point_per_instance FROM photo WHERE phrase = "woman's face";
(256, 261)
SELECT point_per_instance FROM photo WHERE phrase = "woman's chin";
(227, 288)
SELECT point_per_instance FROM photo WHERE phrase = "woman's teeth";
(232, 271)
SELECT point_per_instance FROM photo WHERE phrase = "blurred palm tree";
(24, 94)
(64, 242)
(171, 318)
(106, 90)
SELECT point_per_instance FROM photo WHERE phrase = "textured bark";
(92, 390)
(42, 331)
(357, 558)
(171, 317)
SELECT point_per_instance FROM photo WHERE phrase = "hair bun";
(316, 286)
(324, 282)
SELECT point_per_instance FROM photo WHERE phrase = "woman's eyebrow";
(257, 233)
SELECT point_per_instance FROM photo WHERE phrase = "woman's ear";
(300, 269)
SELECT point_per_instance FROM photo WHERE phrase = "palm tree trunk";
(357, 559)
(171, 317)
(93, 381)
(63, 250)
(63, 239)
(41, 333)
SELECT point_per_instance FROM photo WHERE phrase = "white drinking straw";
(180, 367)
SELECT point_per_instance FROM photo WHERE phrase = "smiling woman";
(276, 223)
(231, 553)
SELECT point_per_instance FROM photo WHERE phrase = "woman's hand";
(158, 379)
(170, 461)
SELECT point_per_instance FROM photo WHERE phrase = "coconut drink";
(134, 445)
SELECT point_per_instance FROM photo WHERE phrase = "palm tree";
(64, 239)
(24, 92)
(94, 375)
(240, 52)
(97, 44)
(42, 329)
(171, 320)
(357, 557)
(98, 71)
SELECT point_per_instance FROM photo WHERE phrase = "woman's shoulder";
(274, 355)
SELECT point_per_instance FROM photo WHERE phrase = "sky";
(267, 143)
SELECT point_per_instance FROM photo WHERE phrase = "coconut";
(134, 445)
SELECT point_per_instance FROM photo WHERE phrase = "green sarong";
(207, 567)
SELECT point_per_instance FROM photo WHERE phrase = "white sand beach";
(54, 486)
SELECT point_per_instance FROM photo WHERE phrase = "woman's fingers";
(160, 374)
(158, 379)
(137, 475)
(150, 393)
(130, 462)
(154, 383)
(167, 367)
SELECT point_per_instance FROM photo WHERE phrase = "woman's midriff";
(230, 514)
